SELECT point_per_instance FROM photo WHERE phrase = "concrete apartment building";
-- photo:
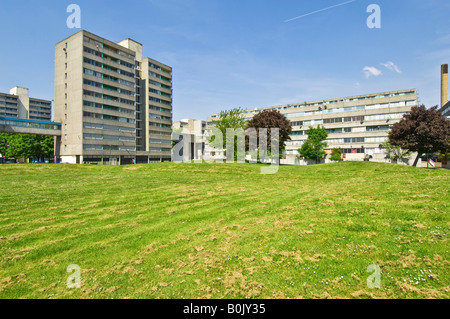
(191, 132)
(18, 104)
(115, 106)
(356, 124)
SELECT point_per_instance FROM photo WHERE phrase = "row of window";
(159, 133)
(108, 48)
(354, 108)
(159, 84)
(326, 103)
(160, 93)
(4, 109)
(375, 128)
(108, 97)
(9, 98)
(108, 67)
(109, 117)
(95, 126)
(108, 87)
(160, 109)
(159, 100)
(108, 77)
(40, 113)
(8, 114)
(109, 58)
(108, 138)
(160, 142)
(160, 77)
(8, 103)
(160, 125)
(160, 117)
(376, 139)
(34, 107)
(109, 107)
(157, 67)
(163, 150)
(88, 147)
(49, 104)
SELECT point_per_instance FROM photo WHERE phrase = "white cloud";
(391, 66)
(370, 70)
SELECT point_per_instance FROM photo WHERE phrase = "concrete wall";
(24, 101)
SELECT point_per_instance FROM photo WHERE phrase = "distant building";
(191, 136)
(19, 105)
(445, 110)
(356, 124)
(114, 105)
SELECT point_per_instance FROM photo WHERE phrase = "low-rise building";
(18, 104)
(356, 124)
(191, 136)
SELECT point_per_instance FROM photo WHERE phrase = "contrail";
(308, 14)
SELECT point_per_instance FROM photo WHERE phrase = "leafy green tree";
(4, 141)
(336, 154)
(423, 131)
(231, 119)
(313, 147)
(27, 146)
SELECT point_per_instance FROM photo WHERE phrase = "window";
(65, 106)
(65, 76)
(354, 140)
(65, 116)
(65, 85)
(66, 55)
(65, 96)
(66, 66)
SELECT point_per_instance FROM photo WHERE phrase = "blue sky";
(230, 53)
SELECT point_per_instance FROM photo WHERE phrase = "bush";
(336, 154)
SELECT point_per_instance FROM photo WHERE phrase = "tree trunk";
(417, 159)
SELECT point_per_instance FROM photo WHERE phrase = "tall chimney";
(444, 84)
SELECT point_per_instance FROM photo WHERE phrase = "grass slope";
(224, 231)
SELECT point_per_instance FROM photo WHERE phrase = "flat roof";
(332, 100)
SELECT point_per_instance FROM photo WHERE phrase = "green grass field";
(224, 231)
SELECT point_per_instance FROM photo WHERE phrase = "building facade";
(18, 104)
(105, 101)
(357, 124)
(191, 136)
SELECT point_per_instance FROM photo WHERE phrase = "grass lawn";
(224, 231)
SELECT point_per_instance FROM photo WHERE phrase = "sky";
(247, 53)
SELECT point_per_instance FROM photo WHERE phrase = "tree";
(231, 119)
(269, 119)
(421, 130)
(336, 154)
(395, 153)
(313, 147)
(4, 137)
(26, 146)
